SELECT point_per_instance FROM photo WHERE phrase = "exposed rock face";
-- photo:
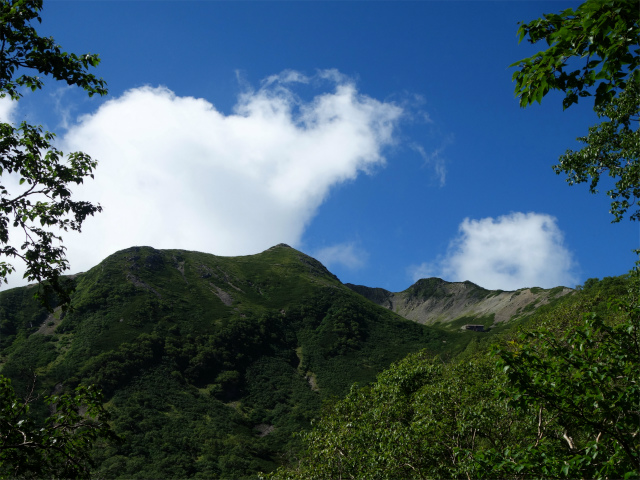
(140, 284)
(225, 297)
(432, 300)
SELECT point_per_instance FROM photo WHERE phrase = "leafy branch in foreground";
(59, 447)
(22, 48)
(593, 51)
(600, 35)
(35, 177)
(45, 177)
(613, 147)
(588, 380)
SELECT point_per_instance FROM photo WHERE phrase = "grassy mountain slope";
(209, 363)
(433, 301)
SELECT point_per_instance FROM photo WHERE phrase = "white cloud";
(174, 172)
(286, 76)
(62, 108)
(510, 252)
(435, 159)
(11, 183)
(7, 110)
(346, 254)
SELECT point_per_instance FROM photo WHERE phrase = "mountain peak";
(434, 300)
(282, 245)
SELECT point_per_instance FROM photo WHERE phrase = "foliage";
(48, 179)
(602, 33)
(172, 431)
(602, 36)
(58, 447)
(612, 147)
(562, 402)
(41, 202)
(22, 48)
(410, 424)
(585, 386)
(18, 312)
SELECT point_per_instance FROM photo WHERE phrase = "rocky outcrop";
(432, 300)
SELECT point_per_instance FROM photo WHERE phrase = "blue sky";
(383, 138)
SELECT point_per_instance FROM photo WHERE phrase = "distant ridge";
(433, 300)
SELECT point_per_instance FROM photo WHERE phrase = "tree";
(584, 387)
(41, 204)
(562, 401)
(613, 147)
(593, 51)
(60, 446)
(414, 422)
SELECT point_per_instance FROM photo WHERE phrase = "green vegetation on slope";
(211, 362)
(561, 399)
(60, 445)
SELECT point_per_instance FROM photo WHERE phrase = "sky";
(381, 137)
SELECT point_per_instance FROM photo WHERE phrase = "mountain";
(209, 364)
(433, 301)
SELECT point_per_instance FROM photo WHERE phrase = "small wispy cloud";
(510, 252)
(62, 108)
(348, 255)
(424, 270)
(435, 158)
(285, 77)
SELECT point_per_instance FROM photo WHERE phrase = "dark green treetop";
(60, 446)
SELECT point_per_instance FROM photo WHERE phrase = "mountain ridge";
(432, 300)
(429, 301)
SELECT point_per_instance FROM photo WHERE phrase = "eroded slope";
(433, 300)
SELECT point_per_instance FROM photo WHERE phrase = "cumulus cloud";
(509, 252)
(348, 255)
(174, 172)
(7, 110)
